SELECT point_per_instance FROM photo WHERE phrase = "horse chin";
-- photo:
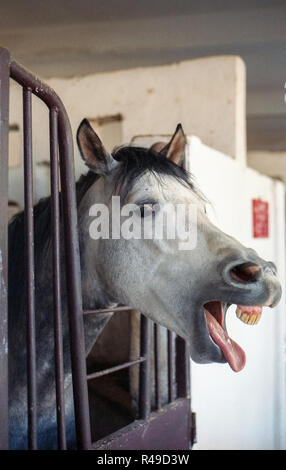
(207, 353)
(213, 343)
(203, 350)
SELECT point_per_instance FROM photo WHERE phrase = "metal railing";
(62, 175)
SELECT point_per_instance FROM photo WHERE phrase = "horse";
(185, 290)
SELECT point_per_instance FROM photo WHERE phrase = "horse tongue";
(232, 352)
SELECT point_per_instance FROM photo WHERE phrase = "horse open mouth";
(215, 317)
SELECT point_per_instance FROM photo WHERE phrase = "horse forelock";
(137, 161)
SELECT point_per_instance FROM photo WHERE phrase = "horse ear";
(92, 150)
(175, 149)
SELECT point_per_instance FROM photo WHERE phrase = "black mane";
(135, 161)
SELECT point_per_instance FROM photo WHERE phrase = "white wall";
(244, 410)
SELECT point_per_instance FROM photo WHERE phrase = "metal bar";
(157, 369)
(72, 260)
(106, 310)
(73, 282)
(58, 334)
(167, 430)
(4, 132)
(182, 368)
(171, 366)
(145, 368)
(30, 269)
(110, 370)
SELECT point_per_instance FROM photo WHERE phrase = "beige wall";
(270, 163)
(206, 95)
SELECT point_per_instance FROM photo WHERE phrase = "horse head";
(185, 290)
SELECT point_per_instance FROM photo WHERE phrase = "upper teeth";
(247, 317)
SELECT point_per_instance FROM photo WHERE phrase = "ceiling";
(70, 37)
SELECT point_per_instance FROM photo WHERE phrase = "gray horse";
(187, 291)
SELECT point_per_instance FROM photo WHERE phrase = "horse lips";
(232, 352)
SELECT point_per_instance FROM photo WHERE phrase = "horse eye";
(146, 210)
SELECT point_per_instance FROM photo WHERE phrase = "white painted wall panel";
(244, 410)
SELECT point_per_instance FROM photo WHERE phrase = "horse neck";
(93, 292)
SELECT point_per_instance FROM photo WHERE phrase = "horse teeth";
(252, 319)
(258, 316)
(238, 312)
(245, 317)
(248, 318)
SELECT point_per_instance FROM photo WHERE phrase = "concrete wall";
(206, 95)
(269, 163)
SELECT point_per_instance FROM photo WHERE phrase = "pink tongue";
(232, 352)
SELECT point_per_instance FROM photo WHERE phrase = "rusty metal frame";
(62, 174)
(4, 130)
(61, 136)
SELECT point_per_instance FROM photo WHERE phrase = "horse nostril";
(246, 272)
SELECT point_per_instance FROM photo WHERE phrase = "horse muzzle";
(254, 282)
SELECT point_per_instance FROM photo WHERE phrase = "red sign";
(260, 217)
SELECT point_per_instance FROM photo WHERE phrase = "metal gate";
(143, 433)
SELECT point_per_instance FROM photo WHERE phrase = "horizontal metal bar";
(106, 310)
(167, 429)
(110, 370)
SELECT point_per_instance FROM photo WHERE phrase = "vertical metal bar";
(30, 272)
(171, 366)
(73, 282)
(58, 335)
(4, 131)
(145, 368)
(157, 370)
(182, 368)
